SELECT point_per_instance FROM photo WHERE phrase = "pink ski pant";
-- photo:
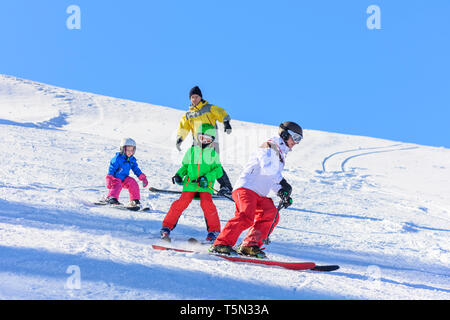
(130, 184)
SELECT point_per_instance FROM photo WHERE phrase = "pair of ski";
(239, 258)
(121, 206)
(151, 189)
(267, 262)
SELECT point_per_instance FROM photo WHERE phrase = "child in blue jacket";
(118, 174)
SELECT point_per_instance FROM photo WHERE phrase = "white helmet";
(127, 142)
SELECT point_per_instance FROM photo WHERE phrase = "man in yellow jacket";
(201, 111)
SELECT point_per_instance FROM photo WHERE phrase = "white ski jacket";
(262, 172)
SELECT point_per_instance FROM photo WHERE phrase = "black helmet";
(288, 129)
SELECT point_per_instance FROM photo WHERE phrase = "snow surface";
(378, 208)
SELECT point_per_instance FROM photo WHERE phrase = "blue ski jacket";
(121, 165)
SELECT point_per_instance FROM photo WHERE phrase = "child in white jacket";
(254, 209)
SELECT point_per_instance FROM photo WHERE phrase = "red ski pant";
(128, 183)
(206, 203)
(252, 211)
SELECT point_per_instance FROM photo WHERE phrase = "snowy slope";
(378, 208)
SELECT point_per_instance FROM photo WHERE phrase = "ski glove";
(144, 180)
(177, 179)
(286, 202)
(179, 142)
(202, 182)
(285, 190)
(285, 193)
(109, 181)
(227, 127)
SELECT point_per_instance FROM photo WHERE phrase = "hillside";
(378, 208)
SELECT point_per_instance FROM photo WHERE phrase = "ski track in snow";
(377, 208)
(358, 150)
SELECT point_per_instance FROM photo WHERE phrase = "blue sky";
(314, 62)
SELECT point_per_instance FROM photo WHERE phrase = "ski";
(266, 262)
(198, 242)
(121, 206)
(322, 268)
(325, 268)
(151, 189)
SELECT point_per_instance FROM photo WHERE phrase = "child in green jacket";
(201, 168)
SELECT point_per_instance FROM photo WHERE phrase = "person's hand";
(177, 179)
(286, 201)
(144, 180)
(109, 181)
(179, 142)
(202, 182)
(285, 187)
(227, 126)
(285, 193)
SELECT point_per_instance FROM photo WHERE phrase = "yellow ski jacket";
(204, 112)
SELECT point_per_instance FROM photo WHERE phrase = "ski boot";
(225, 192)
(134, 203)
(112, 201)
(223, 249)
(225, 185)
(251, 251)
(212, 236)
(165, 234)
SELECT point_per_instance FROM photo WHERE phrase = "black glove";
(177, 179)
(227, 127)
(179, 142)
(202, 182)
(286, 189)
(286, 202)
(285, 193)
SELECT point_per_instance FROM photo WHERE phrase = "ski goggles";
(205, 138)
(295, 136)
